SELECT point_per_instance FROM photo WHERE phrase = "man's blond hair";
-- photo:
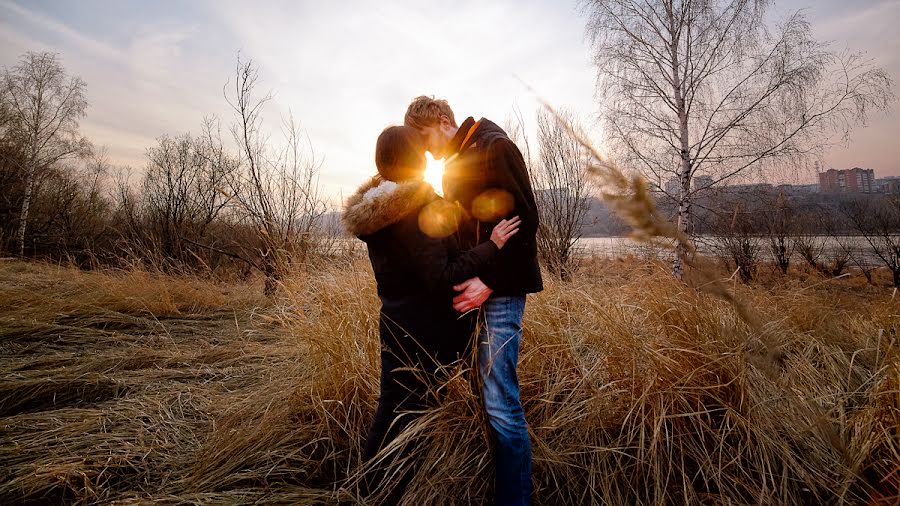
(426, 111)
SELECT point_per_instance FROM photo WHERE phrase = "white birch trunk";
(26, 204)
(684, 205)
(29, 178)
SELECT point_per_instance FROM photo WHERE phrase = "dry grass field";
(132, 387)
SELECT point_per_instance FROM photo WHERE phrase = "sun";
(434, 173)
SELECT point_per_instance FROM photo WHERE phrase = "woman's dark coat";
(415, 272)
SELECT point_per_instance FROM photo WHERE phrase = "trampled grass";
(136, 387)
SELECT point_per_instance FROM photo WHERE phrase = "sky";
(345, 70)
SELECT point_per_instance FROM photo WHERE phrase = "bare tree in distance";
(83, 213)
(12, 161)
(847, 247)
(6, 116)
(858, 256)
(515, 130)
(810, 247)
(779, 225)
(738, 240)
(46, 104)
(275, 190)
(562, 191)
(817, 236)
(877, 220)
(706, 87)
(70, 211)
(836, 252)
(181, 193)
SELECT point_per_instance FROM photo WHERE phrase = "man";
(485, 173)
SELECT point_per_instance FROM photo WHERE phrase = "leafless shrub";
(70, 216)
(739, 242)
(274, 191)
(810, 248)
(836, 253)
(199, 205)
(562, 190)
(178, 198)
(857, 255)
(12, 180)
(515, 129)
(808, 240)
(779, 226)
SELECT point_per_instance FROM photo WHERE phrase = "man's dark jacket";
(484, 172)
(414, 272)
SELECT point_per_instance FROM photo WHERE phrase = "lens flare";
(492, 205)
(434, 173)
(439, 219)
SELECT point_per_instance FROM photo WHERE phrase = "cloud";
(137, 91)
(350, 71)
(60, 31)
(345, 70)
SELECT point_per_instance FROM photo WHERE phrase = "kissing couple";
(438, 259)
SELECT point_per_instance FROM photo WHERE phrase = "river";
(708, 245)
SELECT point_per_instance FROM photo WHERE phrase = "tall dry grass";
(132, 387)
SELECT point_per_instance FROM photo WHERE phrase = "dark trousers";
(404, 393)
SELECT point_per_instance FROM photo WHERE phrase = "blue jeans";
(498, 356)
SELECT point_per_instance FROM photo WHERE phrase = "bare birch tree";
(46, 104)
(708, 87)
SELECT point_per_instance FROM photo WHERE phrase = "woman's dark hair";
(400, 153)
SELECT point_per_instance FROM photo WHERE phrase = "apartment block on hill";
(855, 180)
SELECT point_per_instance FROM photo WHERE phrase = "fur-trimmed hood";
(379, 203)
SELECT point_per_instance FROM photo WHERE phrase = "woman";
(408, 230)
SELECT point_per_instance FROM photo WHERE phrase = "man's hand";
(474, 293)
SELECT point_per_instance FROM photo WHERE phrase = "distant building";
(855, 180)
(795, 189)
(673, 186)
(751, 188)
(701, 182)
(889, 185)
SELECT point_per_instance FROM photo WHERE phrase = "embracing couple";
(436, 260)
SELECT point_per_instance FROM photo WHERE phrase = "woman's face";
(419, 169)
(415, 170)
(400, 154)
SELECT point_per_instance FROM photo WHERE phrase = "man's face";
(437, 137)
